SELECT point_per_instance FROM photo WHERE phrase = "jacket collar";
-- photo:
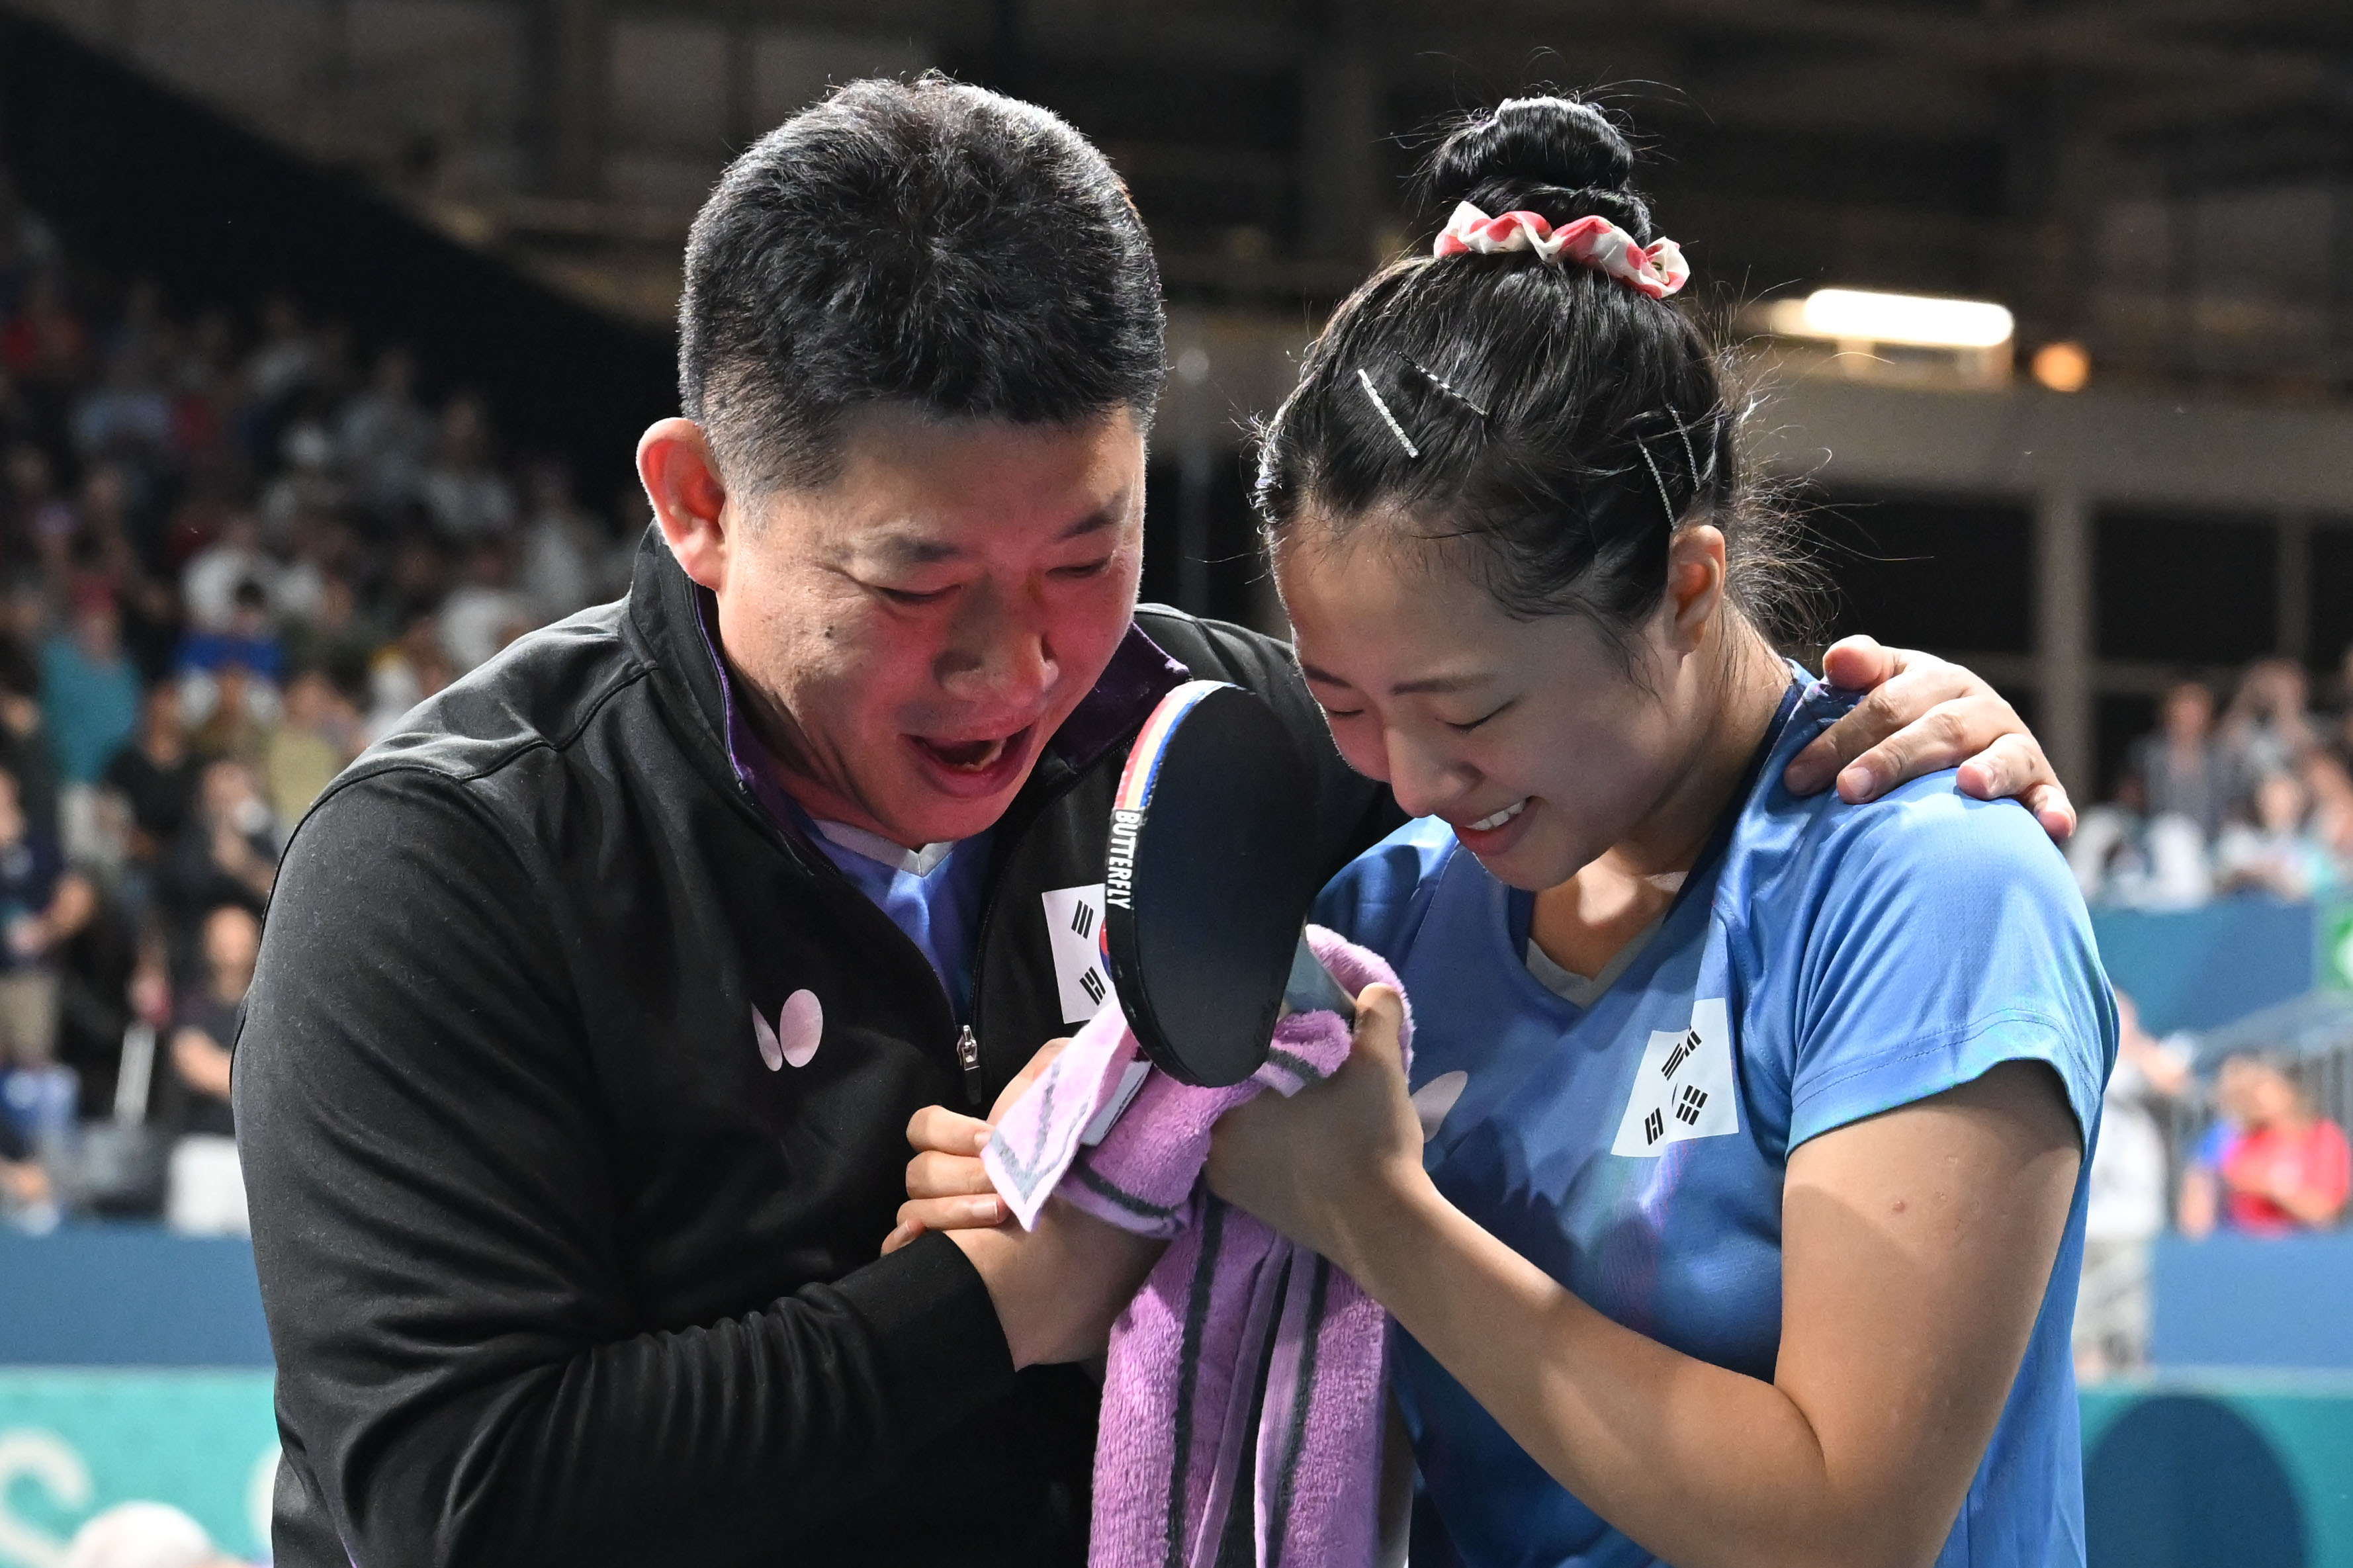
(677, 624)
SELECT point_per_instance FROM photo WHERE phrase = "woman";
(1748, 1227)
(1748, 1230)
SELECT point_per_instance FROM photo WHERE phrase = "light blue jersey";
(1821, 964)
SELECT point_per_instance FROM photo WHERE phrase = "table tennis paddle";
(1211, 869)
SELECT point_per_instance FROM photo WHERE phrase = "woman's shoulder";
(1928, 828)
(1924, 828)
(1379, 897)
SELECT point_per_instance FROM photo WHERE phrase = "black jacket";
(557, 1270)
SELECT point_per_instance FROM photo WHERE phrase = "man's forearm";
(715, 1445)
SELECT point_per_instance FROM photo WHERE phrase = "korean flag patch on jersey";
(1683, 1088)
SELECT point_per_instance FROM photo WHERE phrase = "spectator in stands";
(204, 1190)
(2181, 769)
(2277, 854)
(467, 497)
(205, 1022)
(89, 689)
(24, 739)
(33, 506)
(302, 577)
(43, 346)
(209, 582)
(156, 775)
(336, 635)
(562, 548)
(27, 245)
(227, 853)
(307, 480)
(23, 1183)
(2271, 1164)
(2330, 820)
(2126, 1212)
(237, 713)
(2268, 729)
(250, 639)
(406, 671)
(483, 613)
(41, 904)
(128, 417)
(309, 746)
(388, 438)
(96, 967)
(283, 361)
(108, 553)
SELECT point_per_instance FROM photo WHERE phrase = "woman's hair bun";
(1557, 156)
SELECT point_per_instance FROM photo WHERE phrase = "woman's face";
(1532, 739)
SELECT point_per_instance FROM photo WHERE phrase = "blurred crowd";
(234, 549)
(2246, 1147)
(2256, 797)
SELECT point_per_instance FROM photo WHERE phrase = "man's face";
(909, 636)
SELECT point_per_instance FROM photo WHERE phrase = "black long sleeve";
(441, 1180)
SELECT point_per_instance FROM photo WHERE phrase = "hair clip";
(1691, 456)
(1665, 504)
(1388, 418)
(1441, 383)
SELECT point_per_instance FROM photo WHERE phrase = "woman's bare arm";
(1916, 1249)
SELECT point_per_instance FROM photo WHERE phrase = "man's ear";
(690, 499)
(1694, 583)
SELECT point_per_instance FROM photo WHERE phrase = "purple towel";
(1186, 1429)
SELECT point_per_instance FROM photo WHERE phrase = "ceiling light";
(2063, 367)
(1855, 315)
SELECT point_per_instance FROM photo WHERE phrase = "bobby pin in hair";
(1667, 505)
(1690, 458)
(1388, 418)
(1441, 383)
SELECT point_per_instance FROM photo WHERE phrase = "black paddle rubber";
(1210, 872)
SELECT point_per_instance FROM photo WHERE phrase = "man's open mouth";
(966, 756)
(976, 757)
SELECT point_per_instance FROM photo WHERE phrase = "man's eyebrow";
(917, 550)
(1096, 521)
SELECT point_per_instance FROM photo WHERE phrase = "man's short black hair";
(925, 242)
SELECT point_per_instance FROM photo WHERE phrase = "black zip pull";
(968, 1057)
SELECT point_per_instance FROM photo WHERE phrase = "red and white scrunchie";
(1657, 270)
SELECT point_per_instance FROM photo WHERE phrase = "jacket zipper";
(974, 1079)
(968, 1058)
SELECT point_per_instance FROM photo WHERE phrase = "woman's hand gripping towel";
(1243, 1411)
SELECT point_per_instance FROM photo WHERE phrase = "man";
(593, 1003)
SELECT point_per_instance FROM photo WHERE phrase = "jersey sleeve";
(1378, 899)
(1946, 937)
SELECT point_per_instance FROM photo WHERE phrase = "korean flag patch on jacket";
(1683, 1088)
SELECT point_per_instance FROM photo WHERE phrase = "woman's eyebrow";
(1433, 683)
(1325, 677)
(1440, 683)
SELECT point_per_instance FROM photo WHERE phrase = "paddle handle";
(1312, 989)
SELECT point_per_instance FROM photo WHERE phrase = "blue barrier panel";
(2201, 1471)
(75, 1442)
(130, 1296)
(2202, 968)
(2253, 1302)
(2243, 1470)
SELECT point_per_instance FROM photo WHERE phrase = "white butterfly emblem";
(800, 1024)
